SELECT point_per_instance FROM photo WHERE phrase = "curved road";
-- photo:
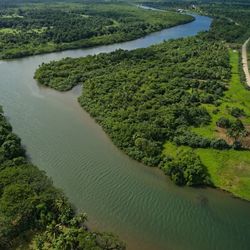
(245, 63)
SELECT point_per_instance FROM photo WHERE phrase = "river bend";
(138, 203)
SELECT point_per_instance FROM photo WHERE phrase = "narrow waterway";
(136, 202)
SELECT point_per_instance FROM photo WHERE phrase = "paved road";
(244, 61)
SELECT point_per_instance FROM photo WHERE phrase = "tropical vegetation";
(39, 28)
(32, 211)
(181, 95)
(144, 97)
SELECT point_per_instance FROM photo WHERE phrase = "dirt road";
(244, 62)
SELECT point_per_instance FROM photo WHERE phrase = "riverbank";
(245, 63)
(62, 139)
(87, 25)
(226, 179)
(34, 214)
(229, 169)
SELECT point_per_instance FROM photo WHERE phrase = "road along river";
(245, 61)
(138, 203)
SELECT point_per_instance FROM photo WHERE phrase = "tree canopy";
(30, 204)
(145, 97)
(38, 28)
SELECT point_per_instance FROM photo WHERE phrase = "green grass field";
(228, 169)
(9, 30)
(235, 96)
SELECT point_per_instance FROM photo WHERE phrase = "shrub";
(219, 144)
(237, 130)
(223, 122)
(187, 169)
(237, 112)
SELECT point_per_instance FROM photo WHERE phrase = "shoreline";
(75, 47)
(157, 198)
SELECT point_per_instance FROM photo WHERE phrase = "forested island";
(33, 213)
(39, 28)
(181, 105)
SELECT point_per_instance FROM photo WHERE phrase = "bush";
(223, 122)
(237, 145)
(191, 139)
(237, 130)
(187, 169)
(237, 112)
(219, 144)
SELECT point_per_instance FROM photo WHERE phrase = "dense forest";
(232, 22)
(231, 18)
(144, 97)
(34, 29)
(170, 94)
(32, 209)
(179, 105)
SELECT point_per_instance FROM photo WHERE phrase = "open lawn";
(8, 30)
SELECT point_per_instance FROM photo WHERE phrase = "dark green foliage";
(223, 122)
(187, 169)
(227, 30)
(231, 21)
(219, 144)
(77, 238)
(34, 29)
(12, 149)
(231, 18)
(237, 131)
(237, 112)
(188, 138)
(29, 201)
(147, 96)
(10, 144)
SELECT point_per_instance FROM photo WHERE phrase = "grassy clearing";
(40, 31)
(228, 169)
(11, 16)
(236, 96)
(9, 31)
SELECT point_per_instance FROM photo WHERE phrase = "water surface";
(120, 195)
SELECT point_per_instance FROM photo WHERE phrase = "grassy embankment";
(229, 169)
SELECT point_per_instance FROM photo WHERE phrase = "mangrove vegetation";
(172, 101)
(35, 214)
(39, 28)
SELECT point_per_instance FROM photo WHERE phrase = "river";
(136, 202)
